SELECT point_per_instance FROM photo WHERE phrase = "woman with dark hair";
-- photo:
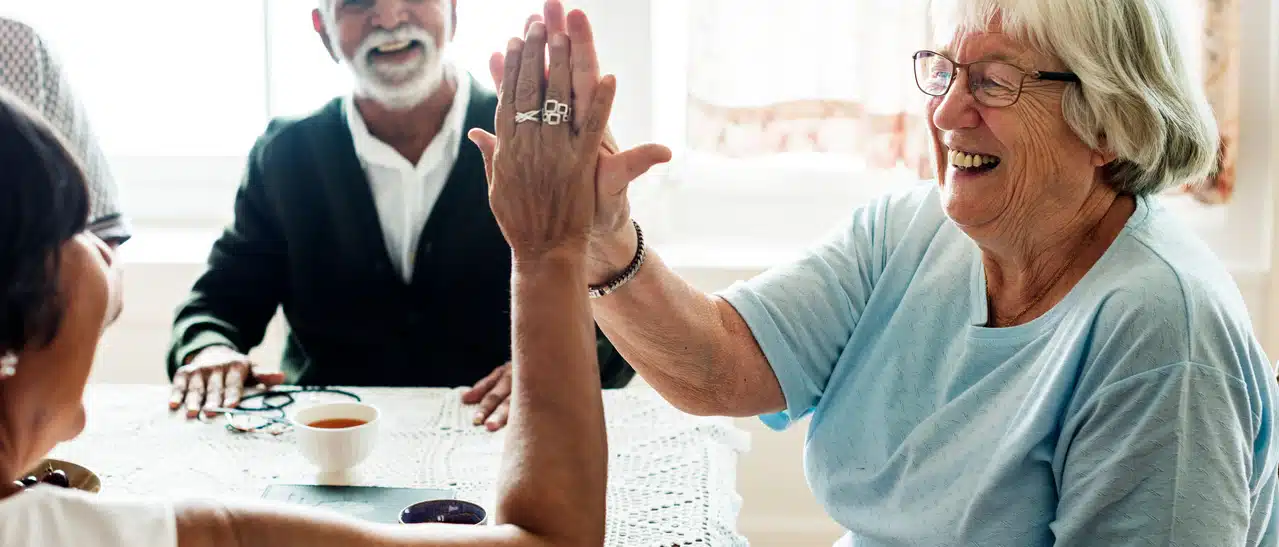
(59, 293)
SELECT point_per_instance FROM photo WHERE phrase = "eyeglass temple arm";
(1057, 76)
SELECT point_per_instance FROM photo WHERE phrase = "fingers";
(585, 63)
(558, 88)
(494, 398)
(610, 143)
(555, 22)
(497, 65)
(235, 376)
(179, 392)
(195, 393)
(269, 379)
(506, 107)
(595, 123)
(482, 387)
(487, 143)
(528, 86)
(498, 419)
(535, 18)
(214, 390)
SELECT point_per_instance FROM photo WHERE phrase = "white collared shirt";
(405, 193)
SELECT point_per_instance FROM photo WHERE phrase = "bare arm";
(212, 524)
(693, 348)
(554, 468)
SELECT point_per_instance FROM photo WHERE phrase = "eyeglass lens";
(992, 83)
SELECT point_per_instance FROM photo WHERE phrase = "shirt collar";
(443, 148)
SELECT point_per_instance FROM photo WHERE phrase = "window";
(158, 77)
(177, 91)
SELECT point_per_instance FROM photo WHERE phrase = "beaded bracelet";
(596, 291)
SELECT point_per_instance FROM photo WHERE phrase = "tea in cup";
(336, 436)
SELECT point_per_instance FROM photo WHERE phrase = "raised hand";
(611, 231)
(541, 170)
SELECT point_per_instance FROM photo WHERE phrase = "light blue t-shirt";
(1140, 410)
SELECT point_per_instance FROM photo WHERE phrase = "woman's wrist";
(609, 255)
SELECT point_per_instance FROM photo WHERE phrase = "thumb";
(487, 143)
(269, 379)
(638, 160)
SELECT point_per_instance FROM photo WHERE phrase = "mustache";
(405, 32)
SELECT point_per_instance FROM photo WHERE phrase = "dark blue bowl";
(443, 512)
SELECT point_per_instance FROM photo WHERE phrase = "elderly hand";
(493, 393)
(215, 377)
(612, 237)
(542, 173)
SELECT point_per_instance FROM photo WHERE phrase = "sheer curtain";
(1220, 47)
(833, 77)
(807, 76)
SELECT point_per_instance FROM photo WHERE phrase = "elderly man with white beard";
(368, 222)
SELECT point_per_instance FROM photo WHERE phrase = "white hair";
(412, 84)
(1138, 98)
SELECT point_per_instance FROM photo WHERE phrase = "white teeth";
(963, 159)
(393, 47)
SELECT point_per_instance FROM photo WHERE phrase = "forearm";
(554, 469)
(693, 348)
(214, 524)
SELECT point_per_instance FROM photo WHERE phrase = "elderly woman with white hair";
(1027, 351)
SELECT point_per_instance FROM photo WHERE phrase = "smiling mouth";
(395, 49)
(971, 163)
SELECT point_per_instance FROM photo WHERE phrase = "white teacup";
(336, 436)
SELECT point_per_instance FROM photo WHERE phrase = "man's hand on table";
(493, 394)
(215, 377)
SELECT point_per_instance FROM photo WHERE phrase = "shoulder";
(1162, 298)
(911, 213)
(47, 516)
(299, 136)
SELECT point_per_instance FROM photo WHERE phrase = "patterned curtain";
(827, 76)
(834, 76)
(1221, 78)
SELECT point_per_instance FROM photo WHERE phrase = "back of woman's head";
(44, 203)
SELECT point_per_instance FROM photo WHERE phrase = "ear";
(317, 22)
(1103, 155)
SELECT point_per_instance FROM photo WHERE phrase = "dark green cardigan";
(306, 237)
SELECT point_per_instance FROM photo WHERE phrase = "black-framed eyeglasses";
(993, 83)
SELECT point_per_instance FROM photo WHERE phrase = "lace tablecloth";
(672, 477)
